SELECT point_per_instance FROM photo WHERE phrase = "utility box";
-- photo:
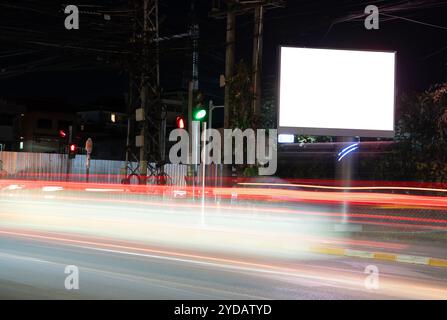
(139, 115)
(139, 141)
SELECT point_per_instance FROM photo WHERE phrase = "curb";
(402, 258)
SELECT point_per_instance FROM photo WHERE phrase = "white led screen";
(336, 92)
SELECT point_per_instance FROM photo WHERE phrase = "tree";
(241, 97)
(421, 149)
(241, 112)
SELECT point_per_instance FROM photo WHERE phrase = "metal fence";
(46, 166)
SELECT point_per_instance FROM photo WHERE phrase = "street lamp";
(219, 167)
(211, 108)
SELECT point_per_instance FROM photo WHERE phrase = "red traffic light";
(72, 150)
(62, 134)
(180, 122)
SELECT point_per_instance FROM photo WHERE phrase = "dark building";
(107, 129)
(42, 124)
(46, 125)
(105, 122)
(10, 125)
(35, 125)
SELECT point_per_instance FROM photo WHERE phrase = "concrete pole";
(257, 59)
(229, 62)
(70, 140)
(144, 95)
(344, 174)
(229, 70)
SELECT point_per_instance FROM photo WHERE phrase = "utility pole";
(229, 61)
(145, 76)
(194, 30)
(144, 68)
(144, 89)
(233, 8)
(257, 60)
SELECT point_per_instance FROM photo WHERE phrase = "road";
(34, 269)
(132, 246)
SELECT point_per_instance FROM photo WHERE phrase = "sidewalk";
(417, 251)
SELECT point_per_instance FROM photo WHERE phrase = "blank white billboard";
(336, 92)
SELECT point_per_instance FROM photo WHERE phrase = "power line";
(414, 21)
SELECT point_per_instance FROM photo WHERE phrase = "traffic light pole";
(87, 169)
(203, 158)
(88, 149)
(190, 104)
(218, 170)
(191, 169)
(70, 140)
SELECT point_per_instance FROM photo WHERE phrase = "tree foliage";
(421, 149)
(242, 115)
(241, 97)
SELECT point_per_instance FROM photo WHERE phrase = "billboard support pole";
(345, 173)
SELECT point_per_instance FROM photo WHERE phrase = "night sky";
(422, 49)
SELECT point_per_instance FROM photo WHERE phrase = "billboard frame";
(336, 132)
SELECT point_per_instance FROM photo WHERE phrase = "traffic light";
(72, 150)
(180, 122)
(62, 134)
(200, 112)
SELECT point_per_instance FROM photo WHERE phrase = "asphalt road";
(31, 269)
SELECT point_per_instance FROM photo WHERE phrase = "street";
(35, 270)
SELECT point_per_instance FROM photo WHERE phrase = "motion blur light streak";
(301, 196)
(274, 210)
(273, 194)
(340, 188)
(103, 190)
(332, 276)
(52, 189)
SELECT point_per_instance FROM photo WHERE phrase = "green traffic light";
(200, 114)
